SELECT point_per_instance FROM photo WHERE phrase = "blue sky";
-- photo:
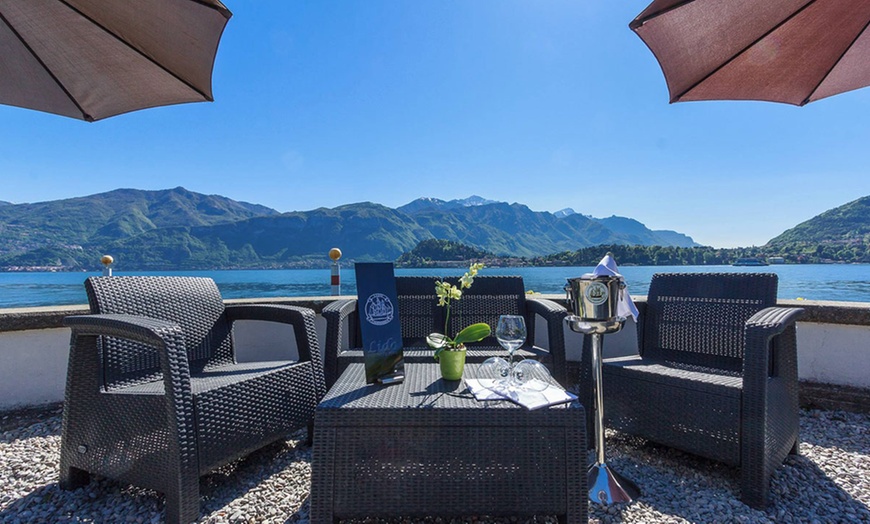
(552, 104)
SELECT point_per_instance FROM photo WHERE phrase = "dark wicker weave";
(154, 396)
(426, 447)
(420, 315)
(716, 375)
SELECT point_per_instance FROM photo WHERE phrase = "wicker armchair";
(716, 374)
(155, 398)
(489, 297)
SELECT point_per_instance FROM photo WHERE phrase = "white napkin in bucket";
(607, 268)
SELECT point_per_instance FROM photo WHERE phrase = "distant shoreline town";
(446, 254)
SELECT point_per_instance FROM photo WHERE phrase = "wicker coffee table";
(426, 447)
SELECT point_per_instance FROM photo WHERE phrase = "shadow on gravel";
(841, 429)
(272, 484)
(699, 490)
(104, 500)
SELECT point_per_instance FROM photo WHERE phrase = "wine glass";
(530, 375)
(511, 333)
(495, 374)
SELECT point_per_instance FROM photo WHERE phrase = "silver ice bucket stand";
(593, 303)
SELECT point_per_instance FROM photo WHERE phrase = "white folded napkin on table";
(480, 388)
(607, 268)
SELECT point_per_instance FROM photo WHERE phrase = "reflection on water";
(812, 282)
(270, 289)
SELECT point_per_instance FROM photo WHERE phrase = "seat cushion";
(664, 372)
(688, 408)
(213, 378)
(241, 407)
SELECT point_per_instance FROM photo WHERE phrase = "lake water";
(812, 282)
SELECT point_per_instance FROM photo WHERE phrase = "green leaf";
(473, 333)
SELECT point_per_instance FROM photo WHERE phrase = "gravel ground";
(828, 483)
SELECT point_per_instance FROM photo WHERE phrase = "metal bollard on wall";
(107, 260)
(335, 278)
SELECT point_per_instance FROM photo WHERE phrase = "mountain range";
(180, 229)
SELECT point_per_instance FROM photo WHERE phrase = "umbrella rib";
(733, 57)
(140, 53)
(216, 5)
(85, 115)
(637, 22)
(834, 64)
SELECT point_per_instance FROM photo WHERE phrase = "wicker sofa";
(716, 374)
(488, 297)
(155, 397)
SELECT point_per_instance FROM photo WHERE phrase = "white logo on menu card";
(379, 309)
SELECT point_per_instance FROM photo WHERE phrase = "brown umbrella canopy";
(791, 51)
(92, 59)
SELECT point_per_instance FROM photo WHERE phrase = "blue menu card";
(380, 329)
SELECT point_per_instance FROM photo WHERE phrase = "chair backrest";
(488, 298)
(419, 313)
(193, 303)
(699, 318)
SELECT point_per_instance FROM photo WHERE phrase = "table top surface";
(422, 389)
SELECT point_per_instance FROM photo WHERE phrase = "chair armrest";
(546, 308)
(302, 319)
(150, 331)
(773, 320)
(304, 328)
(166, 337)
(760, 358)
(770, 401)
(554, 314)
(339, 309)
(335, 314)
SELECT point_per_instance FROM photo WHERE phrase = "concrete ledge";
(817, 311)
(829, 396)
(23, 319)
(822, 312)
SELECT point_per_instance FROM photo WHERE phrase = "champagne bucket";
(594, 298)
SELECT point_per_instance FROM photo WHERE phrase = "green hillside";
(435, 251)
(179, 229)
(847, 223)
(83, 225)
(841, 234)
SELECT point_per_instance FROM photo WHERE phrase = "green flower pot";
(452, 363)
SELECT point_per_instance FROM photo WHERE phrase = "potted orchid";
(450, 352)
